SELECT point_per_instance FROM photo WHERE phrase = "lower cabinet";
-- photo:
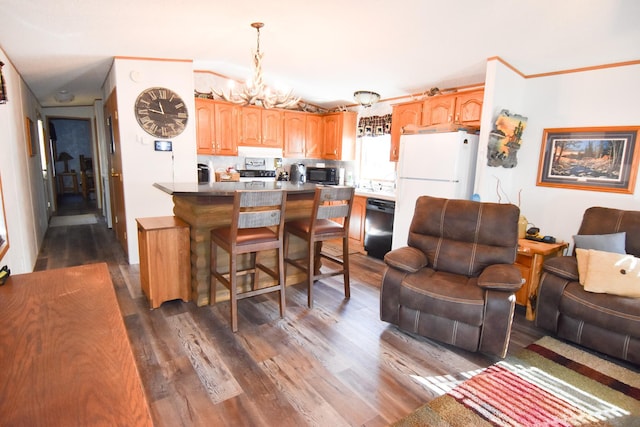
(165, 268)
(356, 223)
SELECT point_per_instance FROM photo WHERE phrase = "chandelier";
(254, 91)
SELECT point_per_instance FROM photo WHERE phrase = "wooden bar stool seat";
(257, 225)
(329, 221)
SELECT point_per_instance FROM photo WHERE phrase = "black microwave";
(327, 176)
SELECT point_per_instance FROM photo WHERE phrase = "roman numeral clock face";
(161, 112)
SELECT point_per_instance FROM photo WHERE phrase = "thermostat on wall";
(163, 146)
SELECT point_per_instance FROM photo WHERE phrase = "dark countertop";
(228, 188)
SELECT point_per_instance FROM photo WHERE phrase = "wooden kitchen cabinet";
(216, 127)
(313, 136)
(462, 108)
(226, 123)
(261, 127)
(529, 259)
(438, 110)
(403, 114)
(468, 109)
(356, 223)
(294, 134)
(165, 269)
(339, 135)
(303, 135)
(205, 125)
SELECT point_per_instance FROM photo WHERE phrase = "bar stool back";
(329, 220)
(257, 225)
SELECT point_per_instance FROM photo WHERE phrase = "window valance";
(374, 126)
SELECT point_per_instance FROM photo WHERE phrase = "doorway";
(74, 168)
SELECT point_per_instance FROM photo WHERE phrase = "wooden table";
(64, 352)
(62, 187)
(531, 255)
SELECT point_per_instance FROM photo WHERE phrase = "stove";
(247, 175)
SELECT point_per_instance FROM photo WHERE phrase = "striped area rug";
(550, 383)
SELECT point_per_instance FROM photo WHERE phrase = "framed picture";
(4, 237)
(596, 159)
(31, 137)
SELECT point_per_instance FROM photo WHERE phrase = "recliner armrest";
(562, 266)
(501, 277)
(406, 259)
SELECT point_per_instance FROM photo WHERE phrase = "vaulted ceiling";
(324, 51)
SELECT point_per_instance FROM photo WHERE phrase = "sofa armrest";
(565, 267)
(406, 259)
(501, 277)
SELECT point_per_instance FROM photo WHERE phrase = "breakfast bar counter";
(208, 206)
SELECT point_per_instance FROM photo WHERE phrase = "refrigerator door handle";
(428, 179)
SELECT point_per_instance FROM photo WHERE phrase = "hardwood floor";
(336, 364)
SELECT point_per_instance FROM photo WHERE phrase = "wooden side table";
(531, 256)
(165, 268)
(62, 187)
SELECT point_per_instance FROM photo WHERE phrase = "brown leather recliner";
(455, 282)
(607, 323)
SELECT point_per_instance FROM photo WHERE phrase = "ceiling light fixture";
(254, 91)
(366, 98)
(64, 96)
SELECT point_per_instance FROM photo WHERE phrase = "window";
(374, 162)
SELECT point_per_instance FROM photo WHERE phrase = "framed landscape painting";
(596, 159)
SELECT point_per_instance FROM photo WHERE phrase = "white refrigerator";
(433, 164)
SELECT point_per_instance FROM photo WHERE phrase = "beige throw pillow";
(582, 256)
(612, 273)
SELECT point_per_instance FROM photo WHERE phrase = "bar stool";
(329, 220)
(257, 225)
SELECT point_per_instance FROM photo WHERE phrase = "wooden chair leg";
(282, 281)
(255, 260)
(311, 271)
(345, 266)
(233, 282)
(213, 282)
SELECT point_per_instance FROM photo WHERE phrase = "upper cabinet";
(226, 122)
(339, 135)
(469, 108)
(205, 125)
(303, 135)
(313, 136)
(294, 134)
(261, 128)
(438, 110)
(222, 126)
(216, 127)
(403, 115)
(461, 108)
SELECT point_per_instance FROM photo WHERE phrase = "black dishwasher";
(378, 227)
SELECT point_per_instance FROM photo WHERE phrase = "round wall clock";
(161, 112)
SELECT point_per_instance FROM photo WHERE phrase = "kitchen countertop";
(228, 188)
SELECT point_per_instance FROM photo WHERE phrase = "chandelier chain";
(254, 91)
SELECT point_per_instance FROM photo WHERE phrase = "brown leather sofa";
(607, 323)
(455, 281)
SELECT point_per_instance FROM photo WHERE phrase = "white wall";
(141, 165)
(603, 97)
(22, 183)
